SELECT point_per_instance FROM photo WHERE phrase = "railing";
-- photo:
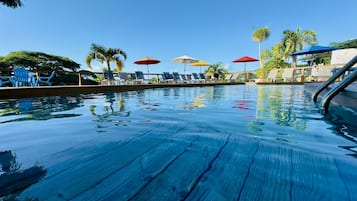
(339, 87)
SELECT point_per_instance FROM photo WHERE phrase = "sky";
(210, 30)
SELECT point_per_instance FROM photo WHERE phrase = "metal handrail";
(338, 88)
(333, 78)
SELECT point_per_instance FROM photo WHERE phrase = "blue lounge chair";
(176, 76)
(167, 77)
(108, 75)
(23, 77)
(2, 82)
(202, 76)
(195, 76)
(124, 78)
(46, 79)
(184, 78)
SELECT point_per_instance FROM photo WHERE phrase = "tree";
(346, 44)
(259, 35)
(275, 58)
(12, 3)
(216, 70)
(38, 61)
(295, 40)
(106, 55)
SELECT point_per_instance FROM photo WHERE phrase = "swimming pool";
(200, 143)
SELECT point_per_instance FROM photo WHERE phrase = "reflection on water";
(13, 180)
(282, 104)
(109, 112)
(43, 108)
(174, 139)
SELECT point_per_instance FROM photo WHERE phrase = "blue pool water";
(201, 143)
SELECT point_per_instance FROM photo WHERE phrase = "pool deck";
(347, 98)
(27, 92)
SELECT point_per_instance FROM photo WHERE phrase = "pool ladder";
(351, 77)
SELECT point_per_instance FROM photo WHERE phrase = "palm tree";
(259, 35)
(106, 55)
(216, 70)
(295, 40)
(12, 3)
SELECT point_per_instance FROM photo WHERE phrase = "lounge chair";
(176, 77)
(234, 77)
(228, 77)
(167, 77)
(288, 75)
(124, 78)
(183, 78)
(23, 77)
(321, 73)
(45, 79)
(6, 78)
(197, 78)
(108, 78)
(202, 76)
(189, 78)
(272, 75)
(108, 75)
(139, 77)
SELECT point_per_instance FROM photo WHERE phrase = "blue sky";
(209, 30)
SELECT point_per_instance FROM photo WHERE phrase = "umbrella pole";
(245, 72)
(147, 66)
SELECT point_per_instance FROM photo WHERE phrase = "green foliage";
(259, 35)
(275, 59)
(153, 80)
(216, 70)
(12, 3)
(295, 40)
(38, 61)
(346, 44)
(272, 63)
(106, 55)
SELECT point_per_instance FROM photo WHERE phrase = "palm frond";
(12, 3)
(106, 55)
(119, 64)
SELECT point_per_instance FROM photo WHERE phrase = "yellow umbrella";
(200, 64)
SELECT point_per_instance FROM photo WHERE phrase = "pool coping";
(28, 92)
(346, 98)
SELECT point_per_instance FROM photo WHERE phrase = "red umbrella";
(147, 61)
(245, 59)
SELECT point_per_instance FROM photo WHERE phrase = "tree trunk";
(294, 62)
(260, 56)
(108, 65)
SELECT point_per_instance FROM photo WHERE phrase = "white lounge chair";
(321, 73)
(288, 75)
(272, 75)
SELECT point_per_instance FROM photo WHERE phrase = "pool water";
(197, 143)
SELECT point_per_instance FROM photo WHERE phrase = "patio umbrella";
(185, 60)
(245, 59)
(314, 49)
(147, 61)
(200, 64)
